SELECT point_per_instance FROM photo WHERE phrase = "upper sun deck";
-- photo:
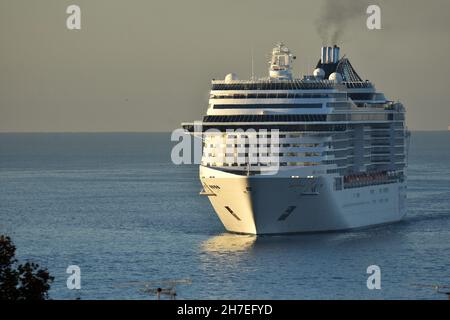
(331, 73)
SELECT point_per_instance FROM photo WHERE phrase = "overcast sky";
(146, 65)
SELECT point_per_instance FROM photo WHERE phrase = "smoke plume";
(335, 17)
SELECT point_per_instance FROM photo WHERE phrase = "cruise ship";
(337, 146)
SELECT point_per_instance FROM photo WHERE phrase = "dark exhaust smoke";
(336, 15)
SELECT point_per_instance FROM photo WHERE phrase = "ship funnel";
(323, 55)
(329, 55)
(336, 51)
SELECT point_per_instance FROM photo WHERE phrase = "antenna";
(253, 74)
(306, 65)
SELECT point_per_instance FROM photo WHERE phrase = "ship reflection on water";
(228, 243)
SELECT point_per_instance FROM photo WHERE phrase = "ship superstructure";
(340, 149)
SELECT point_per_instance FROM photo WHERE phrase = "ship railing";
(363, 180)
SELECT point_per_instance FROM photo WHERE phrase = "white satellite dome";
(231, 77)
(319, 73)
(336, 77)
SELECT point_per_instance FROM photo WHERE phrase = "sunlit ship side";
(342, 150)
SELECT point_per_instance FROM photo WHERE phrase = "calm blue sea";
(116, 206)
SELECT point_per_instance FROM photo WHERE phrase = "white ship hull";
(276, 205)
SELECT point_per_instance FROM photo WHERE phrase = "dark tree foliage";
(21, 281)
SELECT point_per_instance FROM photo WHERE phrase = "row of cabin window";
(262, 135)
(281, 154)
(284, 145)
(278, 95)
(281, 164)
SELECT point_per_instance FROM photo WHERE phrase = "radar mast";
(281, 63)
